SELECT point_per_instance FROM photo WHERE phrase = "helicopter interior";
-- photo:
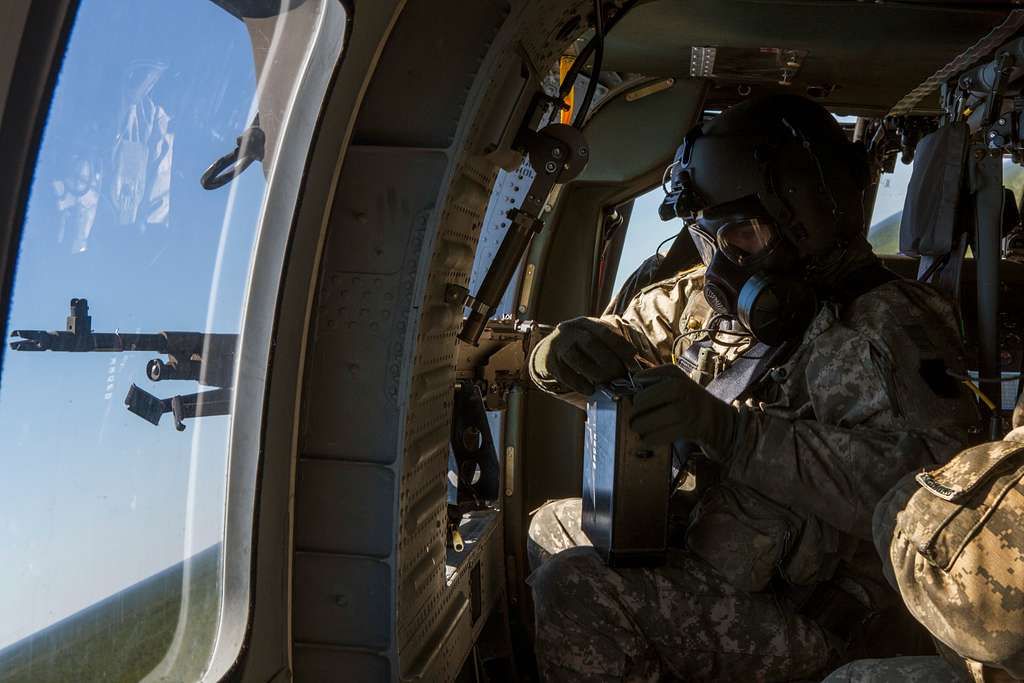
(384, 543)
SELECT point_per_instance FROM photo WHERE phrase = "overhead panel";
(861, 56)
(640, 128)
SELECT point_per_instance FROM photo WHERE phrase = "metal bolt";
(557, 151)
(991, 133)
(551, 167)
(583, 151)
(1002, 122)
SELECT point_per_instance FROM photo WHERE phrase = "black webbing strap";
(746, 371)
(733, 382)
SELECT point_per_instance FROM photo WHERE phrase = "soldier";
(952, 541)
(774, 581)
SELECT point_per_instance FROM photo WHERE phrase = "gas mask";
(753, 272)
(771, 192)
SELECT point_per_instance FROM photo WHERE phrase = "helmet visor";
(744, 240)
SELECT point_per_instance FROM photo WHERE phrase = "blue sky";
(644, 233)
(93, 498)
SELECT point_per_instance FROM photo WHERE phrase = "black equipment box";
(626, 486)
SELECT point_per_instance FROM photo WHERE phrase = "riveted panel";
(384, 195)
(365, 300)
(426, 109)
(341, 600)
(410, 205)
(423, 601)
(331, 511)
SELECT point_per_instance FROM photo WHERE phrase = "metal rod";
(988, 211)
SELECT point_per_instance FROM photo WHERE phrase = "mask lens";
(746, 239)
(704, 242)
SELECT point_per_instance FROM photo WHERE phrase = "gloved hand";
(581, 354)
(670, 406)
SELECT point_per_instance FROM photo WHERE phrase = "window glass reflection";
(112, 525)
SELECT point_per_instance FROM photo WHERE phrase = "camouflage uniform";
(863, 400)
(952, 541)
(896, 670)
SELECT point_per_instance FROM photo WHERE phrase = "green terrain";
(125, 636)
(885, 235)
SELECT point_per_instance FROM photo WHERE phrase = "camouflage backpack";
(954, 538)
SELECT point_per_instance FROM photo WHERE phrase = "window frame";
(250, 483)
(33, 78)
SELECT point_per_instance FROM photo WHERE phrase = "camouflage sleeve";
(655, 316)
(879, 403)
(835, 473)
(650, 322)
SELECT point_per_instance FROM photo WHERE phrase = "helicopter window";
(884, 233)
(646, 235)
(158, 156)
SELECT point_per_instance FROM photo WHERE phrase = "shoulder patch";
(929, 482)
(971, 468)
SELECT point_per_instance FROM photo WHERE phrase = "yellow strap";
(563, 68)
(981, 396)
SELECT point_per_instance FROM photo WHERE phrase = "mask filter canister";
(775, 308)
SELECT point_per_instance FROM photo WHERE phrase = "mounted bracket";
(558, 153)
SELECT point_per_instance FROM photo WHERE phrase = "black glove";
(670, 407)
(581, 354)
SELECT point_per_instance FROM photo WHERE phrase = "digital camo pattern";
(680, 621)
(866, 397)
(862, 401)
(857, 410)
(896, 670)
(959, 564)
